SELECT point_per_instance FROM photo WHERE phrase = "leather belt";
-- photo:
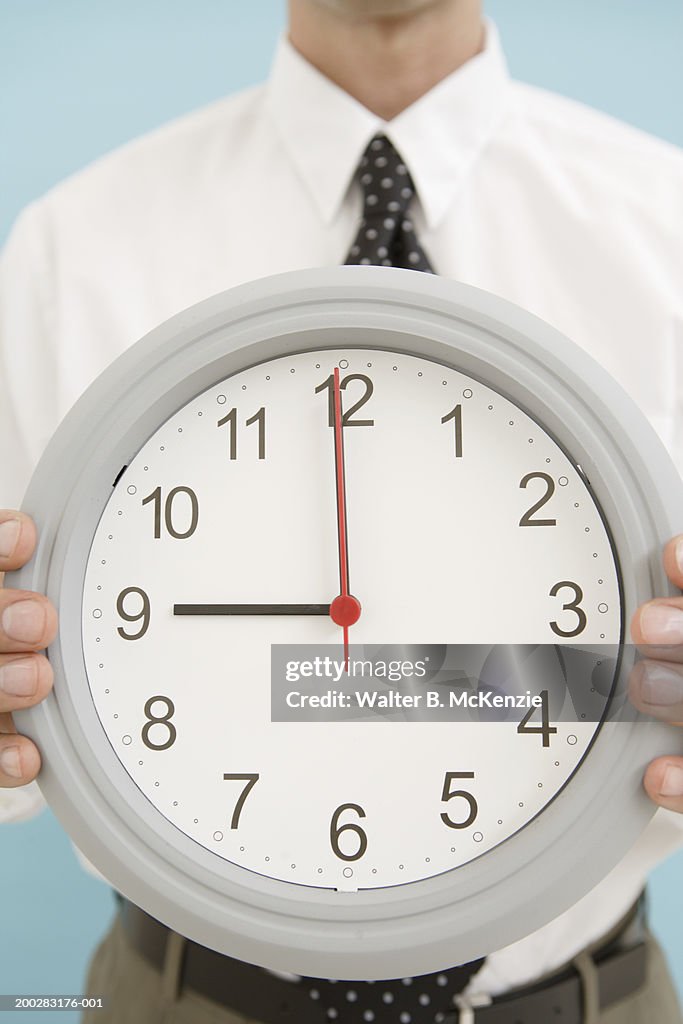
(614, 971)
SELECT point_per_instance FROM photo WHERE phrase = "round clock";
(357, 456)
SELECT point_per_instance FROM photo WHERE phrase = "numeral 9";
(143, 616)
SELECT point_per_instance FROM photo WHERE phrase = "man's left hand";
(656, 686)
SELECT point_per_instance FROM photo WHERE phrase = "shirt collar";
(325, 131)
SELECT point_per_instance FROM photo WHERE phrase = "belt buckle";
(467, 1007)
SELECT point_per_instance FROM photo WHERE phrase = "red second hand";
(345, 609)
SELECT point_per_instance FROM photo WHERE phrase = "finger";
(19, 761)
(658, 626)
(24, 680)
(656, 689)
(673, 560)
(17, 539)
(663, 782)
(6, 723)
(28, 621)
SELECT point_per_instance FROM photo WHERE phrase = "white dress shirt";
(558, 208)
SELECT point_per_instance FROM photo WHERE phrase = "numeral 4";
(545, 729)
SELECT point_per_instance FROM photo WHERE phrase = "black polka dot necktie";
(386, 236)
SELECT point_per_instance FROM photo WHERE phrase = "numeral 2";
(527, 519)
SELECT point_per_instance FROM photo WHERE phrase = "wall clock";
(360, 451)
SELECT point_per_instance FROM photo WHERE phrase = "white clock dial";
(467, 523)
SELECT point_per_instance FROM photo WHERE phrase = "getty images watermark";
(326, 668)
(450, 682)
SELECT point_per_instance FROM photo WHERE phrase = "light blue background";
(78, 77)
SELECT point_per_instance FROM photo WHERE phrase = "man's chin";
(376, 8)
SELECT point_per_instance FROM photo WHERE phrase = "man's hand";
(656, 686)
(28, 623)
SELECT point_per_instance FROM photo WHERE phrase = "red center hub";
(345, 610)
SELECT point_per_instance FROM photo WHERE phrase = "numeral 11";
(231, 420)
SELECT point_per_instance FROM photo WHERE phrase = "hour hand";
(251, 609)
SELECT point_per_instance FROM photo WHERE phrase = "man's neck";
(387, 63)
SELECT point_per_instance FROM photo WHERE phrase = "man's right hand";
(28, 623)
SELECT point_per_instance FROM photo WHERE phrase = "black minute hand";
(251, 609)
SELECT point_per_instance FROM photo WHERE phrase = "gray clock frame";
(413, 928)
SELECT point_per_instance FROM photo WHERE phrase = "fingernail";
(9, 762)
(19, 678)
(660, 686)
(9, 535)
(24, 621)
(678, 554)
(672, 781)
(662, 624)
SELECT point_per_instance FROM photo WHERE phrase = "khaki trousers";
(137, 993)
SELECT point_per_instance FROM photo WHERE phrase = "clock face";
(466, 523)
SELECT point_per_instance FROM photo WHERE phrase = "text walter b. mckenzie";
(386, 699)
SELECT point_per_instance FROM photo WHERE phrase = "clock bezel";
(407, 929)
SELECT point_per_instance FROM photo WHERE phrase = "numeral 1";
(456, 415)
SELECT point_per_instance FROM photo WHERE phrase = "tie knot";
(385, 180)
